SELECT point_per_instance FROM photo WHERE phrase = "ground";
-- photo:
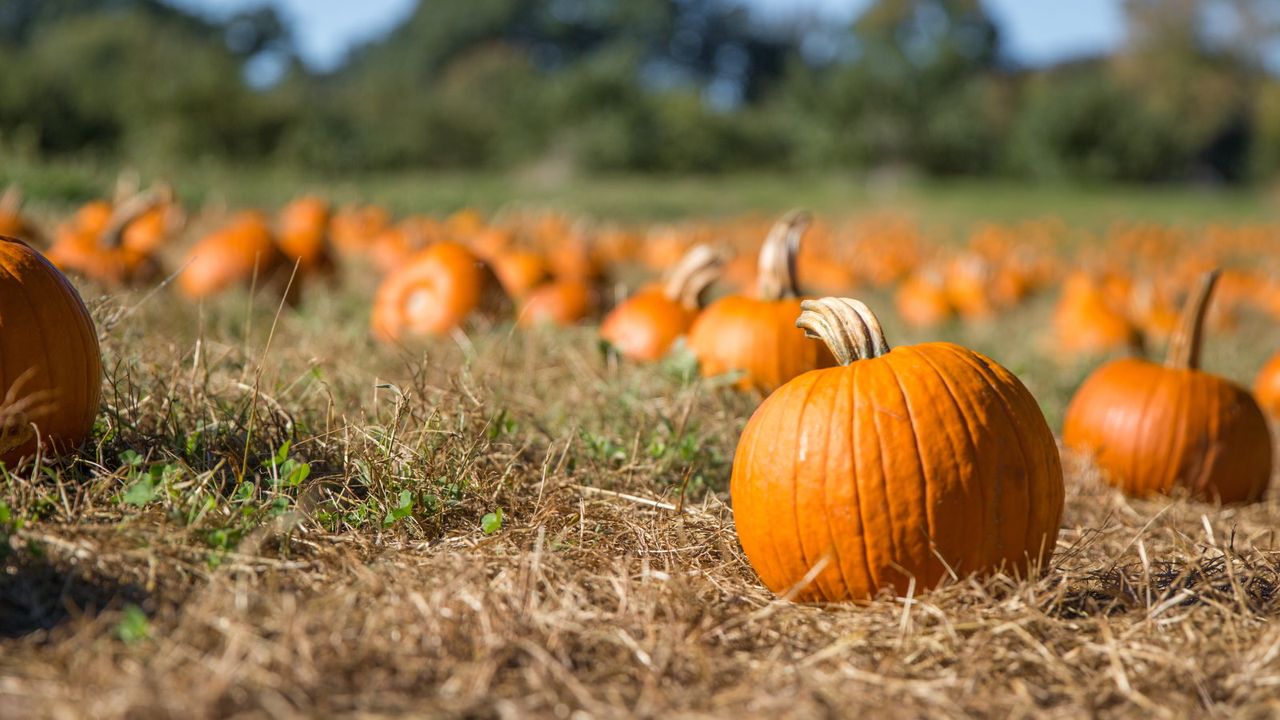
(278, 517)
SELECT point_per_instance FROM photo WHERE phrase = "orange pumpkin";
(645, 325)
(756, 336)
(50, 365)
(899, 465)
(353, 229)
(93, 244)
(1087, 319)
(561, 302)
(520, 271)
(922, 301)
(303, 234)
(1152, 429)
(1266, 388)
(243, 252)
(433, 292)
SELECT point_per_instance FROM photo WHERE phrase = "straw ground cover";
(279, 518)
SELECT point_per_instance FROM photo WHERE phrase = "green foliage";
(661, 86)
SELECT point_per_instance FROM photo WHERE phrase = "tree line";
(664, 86)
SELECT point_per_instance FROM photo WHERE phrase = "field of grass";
(278, 517)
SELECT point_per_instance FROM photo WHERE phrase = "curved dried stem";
(1184, 345)
(847, 326)
(692, 275)
(776, 278)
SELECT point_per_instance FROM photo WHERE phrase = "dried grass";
(615, 586)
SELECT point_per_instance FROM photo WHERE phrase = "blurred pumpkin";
(302, 233)
(560, 303)
(242, 252)
(1266, 388)
(922, 301)
(1086, 320)
(433, 292)
(93, 246)
(520, 271)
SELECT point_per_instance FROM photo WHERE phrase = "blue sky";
(1035, 31)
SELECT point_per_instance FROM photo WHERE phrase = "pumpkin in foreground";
(1153, 428)
(756, 336)
(899, 464)
(50, 365)
(645, 326)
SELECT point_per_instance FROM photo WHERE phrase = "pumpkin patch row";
(865, 468)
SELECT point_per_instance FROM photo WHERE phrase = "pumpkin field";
(444, 447)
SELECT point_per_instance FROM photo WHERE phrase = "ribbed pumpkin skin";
(1152, 429)
(1266, 388)
(889, 464)
(46, 331)
(758, 338)
(645, 325)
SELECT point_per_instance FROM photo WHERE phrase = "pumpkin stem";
(847, 326)
(776, 278)
(1184, 346)
(692, 275)
(124, 213)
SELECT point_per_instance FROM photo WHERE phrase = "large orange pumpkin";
(1266, 388)
(900, 464)
(50, 365)
(432, 293)
(756, 336)
(1152, 429)
(646, 325)
(243, 252)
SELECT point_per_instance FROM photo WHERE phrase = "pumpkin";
(900, 464)
(561, 302)
(154, 226)
(243, 252)
(352, 229)
(520, 271)
(1266, 388)
(433, 292)
(93, 244)
(922, 300)
(302, 233)
(1153, 428)
(756, 336)
(1087, 319)
(50, 365)
(645, 325)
